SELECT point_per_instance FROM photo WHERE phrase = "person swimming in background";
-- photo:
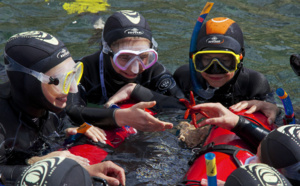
(127, 63)
(41, 74)
(219, 71)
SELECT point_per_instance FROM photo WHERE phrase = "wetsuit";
(247, 85)
(22, 136)
(155, 83)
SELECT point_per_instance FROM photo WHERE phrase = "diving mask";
(227, 60)
(63, 82)
(125, 58)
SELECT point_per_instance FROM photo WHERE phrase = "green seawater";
(271, 31)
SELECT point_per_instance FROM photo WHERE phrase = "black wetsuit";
(155, 83)
(248, 85)
(22, 136)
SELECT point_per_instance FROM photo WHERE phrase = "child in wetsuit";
(218, 66)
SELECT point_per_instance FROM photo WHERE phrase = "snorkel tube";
(288, 107)
(198, 89)
(211, 169)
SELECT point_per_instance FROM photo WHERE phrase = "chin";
(60, 104)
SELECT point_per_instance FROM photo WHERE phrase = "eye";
(206, 60)
(124, 57)
(143, 56)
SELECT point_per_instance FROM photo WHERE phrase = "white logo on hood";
(214, 40)
(134, 31)
(63, 53)
(132, 16)
(42, 36)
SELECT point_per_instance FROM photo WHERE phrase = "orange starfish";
(190, 111)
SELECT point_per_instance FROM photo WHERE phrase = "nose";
(73, 87)
(135, 66)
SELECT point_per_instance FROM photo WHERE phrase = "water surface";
(271, 31)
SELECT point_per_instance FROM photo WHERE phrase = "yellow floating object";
(81, 6)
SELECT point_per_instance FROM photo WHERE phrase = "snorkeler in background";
(41, 74)
(127, 65)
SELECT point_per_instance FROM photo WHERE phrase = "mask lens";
(124, 58)
(74, 75)
(203, 61)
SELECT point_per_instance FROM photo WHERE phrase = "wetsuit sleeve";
(79, 113)
(250, 132)
(141, 93)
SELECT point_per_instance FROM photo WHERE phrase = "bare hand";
(138, 118)
(112, 173)
(270, 110)
(95, 133)
(82, 161)
(122, 95)
(218, 115)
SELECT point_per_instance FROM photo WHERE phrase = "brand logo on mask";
(63, 53)
(132, 16)
(214, 40)
(42, 36)
(134, 31)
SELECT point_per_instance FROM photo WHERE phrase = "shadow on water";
(271, 31)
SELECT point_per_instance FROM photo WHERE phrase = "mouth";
(129, 76)
(216, 78)
(62, 99)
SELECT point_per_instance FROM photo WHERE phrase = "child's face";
(135, 44)
(51, 92)
(217, 80)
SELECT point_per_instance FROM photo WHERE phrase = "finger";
(241, 106)
(199, 116)
(100, 132)
(143, 105)
(110, 180)
(71, 131)
(207, 106)
(158, 125)
(168, 125)
(252, 109)
(271, 118)
(107, 104)
(100, 135)
(235, 105)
